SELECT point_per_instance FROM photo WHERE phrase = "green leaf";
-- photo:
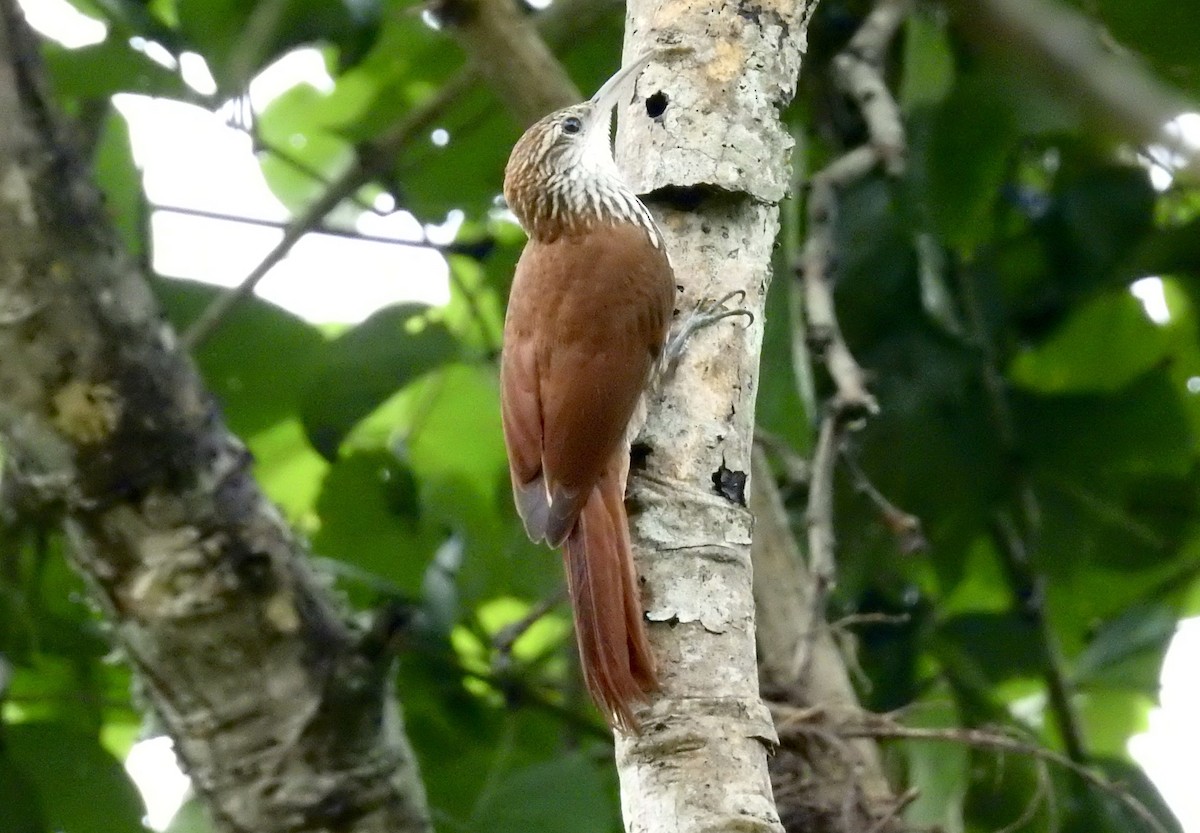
(1171, 250)
(965, 159)
(1163, 30)
(1099, 216)
(367, 365)
(293, 123)
(991, 646)
(1138, 430)
(121, 182)
(939, 771)
(457, 453)
(258, 364)
(369, 520)
(467, 172)
(80, 787)
(1003, 789)
(561, 796)
(288, 469)
(1103, 346)
(1110, 717)
(404, 68)
(1127, 651)
(928, 62)
(22, 809)
(1098, 811)
(107, 68)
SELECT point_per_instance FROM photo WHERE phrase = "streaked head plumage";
(561, 176)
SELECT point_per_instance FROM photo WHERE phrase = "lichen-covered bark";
(701, 139)
(281, 713)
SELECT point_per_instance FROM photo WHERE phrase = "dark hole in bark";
(656, 104)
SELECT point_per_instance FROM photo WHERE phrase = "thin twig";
(859, 72)
(507, 636)
(817, 264)
(1036, 800)
(1015, 532)
(907, 797)
(821, 538)
(855, 620)
(794, 724)
(1029, 591)
(904, 526)
(320, 228)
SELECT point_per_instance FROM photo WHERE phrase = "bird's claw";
(706, 313)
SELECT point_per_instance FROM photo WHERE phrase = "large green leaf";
(367, 365)
(991, 646)
(1163, 30)
(965, 158)
(293, 124)
(1141, 429)
(1110, 717)
(939, 771)
(260, 361)
(565, 795)
(1097, 811)
(370, 518)
(928, 62)
(1101, 348)
(107, 68)
(1099, 215)
(1127, 652)
(288, 469)
(19, 798)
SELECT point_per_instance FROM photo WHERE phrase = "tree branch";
(701, 139)
(1065, 48)
(506, 51)
(858, 70)
(207, 590)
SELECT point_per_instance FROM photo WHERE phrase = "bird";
(586, 331)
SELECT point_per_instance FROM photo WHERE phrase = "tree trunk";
(703, 142)
(282, 715)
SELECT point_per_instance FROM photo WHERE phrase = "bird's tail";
(613, 649)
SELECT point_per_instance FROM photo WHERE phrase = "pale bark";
(282, 714)
(702, 141)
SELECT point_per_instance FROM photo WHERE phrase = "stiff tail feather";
(614, 651)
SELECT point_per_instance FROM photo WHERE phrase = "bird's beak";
(607, 96)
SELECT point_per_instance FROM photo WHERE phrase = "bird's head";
(563, 164)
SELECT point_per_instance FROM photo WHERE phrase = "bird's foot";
(706, 313)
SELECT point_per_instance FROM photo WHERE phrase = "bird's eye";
(571, 125)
